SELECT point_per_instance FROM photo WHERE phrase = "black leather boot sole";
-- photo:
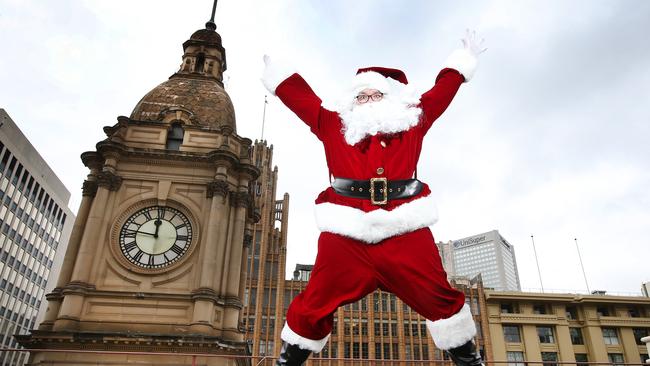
(465, 355)
(292, 355)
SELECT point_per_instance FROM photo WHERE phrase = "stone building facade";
(577, 328)
(156, 260)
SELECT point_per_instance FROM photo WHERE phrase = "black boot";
(292, 355)
(465, 355)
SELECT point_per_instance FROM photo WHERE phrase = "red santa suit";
(364, 246)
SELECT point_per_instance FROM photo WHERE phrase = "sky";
(550, 137)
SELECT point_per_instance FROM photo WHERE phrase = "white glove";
(471, 43)
(465, 59)
(275, 72)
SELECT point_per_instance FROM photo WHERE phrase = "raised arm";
(459, 68)
(295, 93)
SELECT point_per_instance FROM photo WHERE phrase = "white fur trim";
(375, 226)
(370, 80)
(453, 331)
(275, 73)
(294, 338)
(462, 61)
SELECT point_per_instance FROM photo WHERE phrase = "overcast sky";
(550, 138)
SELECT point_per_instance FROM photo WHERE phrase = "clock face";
(155, 237)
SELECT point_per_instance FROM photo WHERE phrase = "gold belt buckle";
(383, 190)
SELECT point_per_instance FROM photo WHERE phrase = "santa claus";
(375, 216)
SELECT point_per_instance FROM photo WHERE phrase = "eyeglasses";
(363, 98)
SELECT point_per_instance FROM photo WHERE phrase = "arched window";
(200, 61)
(175, 137)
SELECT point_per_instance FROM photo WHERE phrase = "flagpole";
(264, 117)
(581, 265)
(539, 273)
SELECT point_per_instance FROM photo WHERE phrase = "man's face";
(368, 96)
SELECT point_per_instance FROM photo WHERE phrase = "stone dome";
(207, 35)
(207, 102)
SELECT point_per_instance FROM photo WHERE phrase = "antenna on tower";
(264, 117)
(211, 25)
(539, 273)
(581, 265)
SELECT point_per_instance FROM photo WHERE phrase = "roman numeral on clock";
(138, 255)
(129, 246)
(130, 233)
(176, 249)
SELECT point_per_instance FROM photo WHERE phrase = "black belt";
(378, 190)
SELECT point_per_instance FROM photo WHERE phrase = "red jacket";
(358, 218)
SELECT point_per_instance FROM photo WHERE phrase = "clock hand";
(157, 223)
(141, 232)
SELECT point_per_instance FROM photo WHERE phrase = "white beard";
(387, 116)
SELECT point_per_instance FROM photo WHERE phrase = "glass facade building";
(490, 255)
(35, 223)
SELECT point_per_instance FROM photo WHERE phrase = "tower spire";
(211, 25)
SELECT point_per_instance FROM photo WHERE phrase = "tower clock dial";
(155, 237)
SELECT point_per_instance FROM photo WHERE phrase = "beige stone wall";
(588, 320)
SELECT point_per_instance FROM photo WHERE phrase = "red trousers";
(346, 270)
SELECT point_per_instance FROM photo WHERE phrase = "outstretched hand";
(472, 44)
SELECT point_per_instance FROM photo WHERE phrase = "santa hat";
(383, 79)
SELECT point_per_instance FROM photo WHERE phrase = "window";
(200, 62)
(610, 336)
(615, 358)
(508, 308)
(511, 333)
(539, 309)
(545, 335)
(571, 313)
(425, 352)
(634, 312)
(640, 333)
(581, 358)
(324, 353)
(262, 348)
(515, 358)
(576, 336)
(549, 358)
(602, 311)
(175, 137)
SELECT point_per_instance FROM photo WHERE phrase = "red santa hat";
(383, 79)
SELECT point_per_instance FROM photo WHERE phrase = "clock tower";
(157, 254)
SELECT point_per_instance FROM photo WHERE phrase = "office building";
(266, 259)
(490, 255)
(35, 224)
(576, 328)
